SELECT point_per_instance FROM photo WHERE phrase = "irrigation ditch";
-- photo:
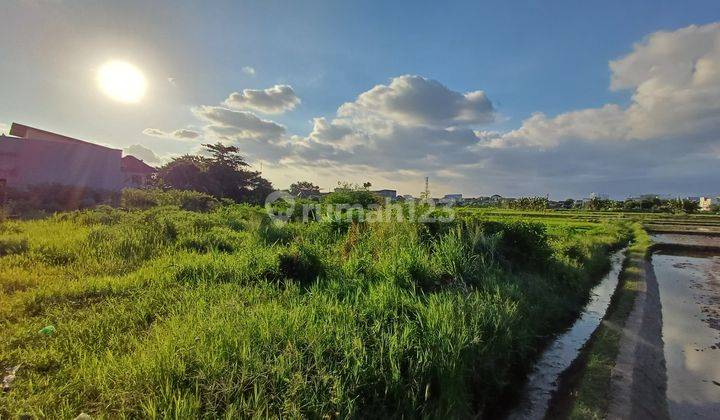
(654, 351)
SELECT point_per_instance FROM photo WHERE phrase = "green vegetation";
(164, 311)
(222, 174)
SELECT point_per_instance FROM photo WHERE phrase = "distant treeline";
(649, 204)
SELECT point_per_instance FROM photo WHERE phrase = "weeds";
(220, 313)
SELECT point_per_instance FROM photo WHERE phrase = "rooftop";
(21, 131)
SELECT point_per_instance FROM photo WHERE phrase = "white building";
(451, 199)
(706, 203)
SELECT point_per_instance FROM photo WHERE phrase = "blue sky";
(527, 57)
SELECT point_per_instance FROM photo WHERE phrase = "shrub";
(13, 245)
(136, 199)
(218, 238)
(301, 262)
(50, 198)
(351, 197)
(522, 245)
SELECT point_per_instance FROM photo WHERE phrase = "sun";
(121, 81)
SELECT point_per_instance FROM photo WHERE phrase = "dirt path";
(644, 383)
(638, 382)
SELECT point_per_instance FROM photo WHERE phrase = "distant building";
(644, 197)
(391, 194)
(136, 173)
(495, 199)
(30, 156)
(706, 203)
(451, 199)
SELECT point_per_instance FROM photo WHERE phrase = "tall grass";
(167, 312)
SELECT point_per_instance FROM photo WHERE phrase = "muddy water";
(543, 381)
(678, 238)
(690, 297)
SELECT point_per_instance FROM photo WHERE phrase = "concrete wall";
(29, 161)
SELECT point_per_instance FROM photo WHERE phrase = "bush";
(522, 245)
(352, 197)
(136, 199)
(301, 262)
(9, 246)
(50, 198)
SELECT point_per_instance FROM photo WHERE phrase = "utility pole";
(425, 195)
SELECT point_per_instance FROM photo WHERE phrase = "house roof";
(130, 163)
(20, 130)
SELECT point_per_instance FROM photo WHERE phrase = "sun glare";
(121, 81)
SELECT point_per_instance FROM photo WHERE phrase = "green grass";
(592, 396)
(167, 312)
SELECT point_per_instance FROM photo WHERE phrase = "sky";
(564, 98)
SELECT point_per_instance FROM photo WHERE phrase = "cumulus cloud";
(250, 71)
(273, 100)
(411, 124)
(143, 153)
(675, 78)
(664, 140)
(237, 125)
(180, 134)
(415, 100)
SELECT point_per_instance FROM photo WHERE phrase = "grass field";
(166, 312)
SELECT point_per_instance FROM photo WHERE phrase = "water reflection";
(690, 294)
(543, 381)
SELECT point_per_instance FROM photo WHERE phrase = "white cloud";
(675, 77)
(273, 100)
(143, 153)
(606, 123)
(180, 134)
(411, 124)
(237, 125)
(250, 71)
(664, 140)
(415, 100)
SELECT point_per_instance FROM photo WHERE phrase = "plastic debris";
(49, 330)
(10, 377)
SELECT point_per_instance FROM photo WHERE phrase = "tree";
(222, 175)
(304, 189)
(350, 194)
(184, 173)
(223, 155)
(690, 206)
(597, 203)
(529, 203)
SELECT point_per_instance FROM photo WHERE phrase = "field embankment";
(586, 387)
